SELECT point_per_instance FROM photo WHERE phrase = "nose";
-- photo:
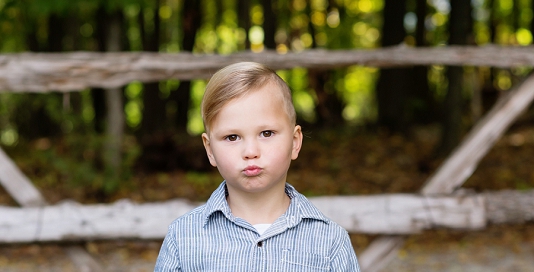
(251, 150)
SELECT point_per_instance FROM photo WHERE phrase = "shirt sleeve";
(168, 255)
(344, 257)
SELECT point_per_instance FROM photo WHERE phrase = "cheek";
(223, 158)
(226, 170)
(222, 151)
(280, 154)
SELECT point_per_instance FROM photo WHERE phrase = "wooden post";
(23, 191)
(463, 161)
(459, 166)
(17, 184)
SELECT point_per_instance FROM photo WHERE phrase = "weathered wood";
(23, 191)
(17, 184)
(71, 221)
(387, 214)
(402, 213)
(510, 207)
(461, 164)
(379, 253)
(38, 72)
(464, 159)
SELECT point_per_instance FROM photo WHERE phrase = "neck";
(261, 208)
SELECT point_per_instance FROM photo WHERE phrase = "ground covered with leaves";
(331, 163)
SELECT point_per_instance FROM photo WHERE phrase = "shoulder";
(198, 216)
(313, 219)
(192, 214)
(171, 252)
(324, 226)
(190, 219)
(308, 208)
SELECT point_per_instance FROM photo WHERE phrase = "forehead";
(267, 100)
(269, 94)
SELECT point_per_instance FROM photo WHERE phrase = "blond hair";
(236, 80)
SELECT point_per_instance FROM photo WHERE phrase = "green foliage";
(336, 25)
(202, 183)
(195, 125)
(38, 8)
(134, 104)
(304, 98)
(76, 152)
(357, 89)
(75, 161)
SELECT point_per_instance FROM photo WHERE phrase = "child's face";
(252, 141)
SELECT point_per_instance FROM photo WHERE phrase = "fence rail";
(41, 72)
(376, 214)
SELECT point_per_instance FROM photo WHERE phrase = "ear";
(297, 142)
(207, 146)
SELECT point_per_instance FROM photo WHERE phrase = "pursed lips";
(252, 170)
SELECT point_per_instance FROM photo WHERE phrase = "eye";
(267, 133)
(231, 138)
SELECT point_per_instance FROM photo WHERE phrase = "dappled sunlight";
(86, 129)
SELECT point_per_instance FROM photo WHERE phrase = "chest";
(244, 250)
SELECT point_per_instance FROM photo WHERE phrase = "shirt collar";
(299, 208)
(217, 202)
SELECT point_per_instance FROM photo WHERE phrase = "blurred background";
(367, 130)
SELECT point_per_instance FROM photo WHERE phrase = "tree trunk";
(392, 86)
(516, 16)
(329, 107)
(191, 18)
(452, 123)
(56, 33)
(114, 136)
(154, 109)
(115, 111)
(269, 24)
(423, 105)
(99, 108)
(97, 94)
(72, 101)
(31, 115)
(489, 92)
(459, 25)
(391, 92)
(243, 11)
(32, 42)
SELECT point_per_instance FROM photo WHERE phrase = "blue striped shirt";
(210, 238)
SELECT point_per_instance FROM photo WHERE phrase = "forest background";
(368, 130)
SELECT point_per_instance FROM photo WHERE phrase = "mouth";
(251, 171)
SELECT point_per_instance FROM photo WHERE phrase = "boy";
(254, 221)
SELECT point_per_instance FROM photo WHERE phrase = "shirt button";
(260, 244)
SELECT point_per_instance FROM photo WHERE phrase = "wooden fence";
(438, 204)
(398, 214)
(40, 72)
